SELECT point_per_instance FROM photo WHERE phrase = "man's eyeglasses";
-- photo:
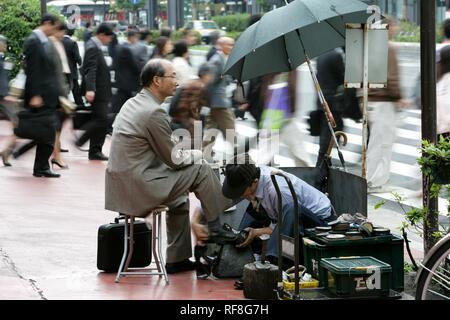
(173, 77)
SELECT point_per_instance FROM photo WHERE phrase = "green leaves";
(435, 160)
(17, 20)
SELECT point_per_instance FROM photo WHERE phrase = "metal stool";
(124, 270)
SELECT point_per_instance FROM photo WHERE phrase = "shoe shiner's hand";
(200, 231)
(251, 235)
(90, 95)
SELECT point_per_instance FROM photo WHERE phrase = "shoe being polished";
(98, 156)
(181, 266)
(45, 174)
(222, 237)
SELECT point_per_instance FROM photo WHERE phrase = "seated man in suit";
(146, 170)
(246, 180)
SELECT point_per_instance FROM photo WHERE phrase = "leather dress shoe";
(181, 266)
(222, 237)
(98, 156)
(46, 174)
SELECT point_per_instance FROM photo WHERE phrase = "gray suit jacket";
(217, 91)
(141, 173)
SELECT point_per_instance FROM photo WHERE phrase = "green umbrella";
(287, 37)
(284, 38)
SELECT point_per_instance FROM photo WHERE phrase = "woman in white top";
(184, 71)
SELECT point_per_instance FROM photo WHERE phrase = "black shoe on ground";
(222, 237)
(46, 174)
(98, 156)
(175, 267)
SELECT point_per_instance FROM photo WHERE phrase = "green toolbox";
(388, 249)
(356, 276)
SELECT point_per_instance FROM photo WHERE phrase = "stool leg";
(155, 238)
(163, 267)
(131, 243)
(125, 250)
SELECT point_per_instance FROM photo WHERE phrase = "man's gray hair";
(153, 68)
(3, 39)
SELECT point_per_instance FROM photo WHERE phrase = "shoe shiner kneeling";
(244, 179)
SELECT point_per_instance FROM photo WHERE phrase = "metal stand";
(124, 269)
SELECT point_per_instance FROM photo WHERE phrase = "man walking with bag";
(41, 93)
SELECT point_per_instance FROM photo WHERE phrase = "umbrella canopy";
(279, 41)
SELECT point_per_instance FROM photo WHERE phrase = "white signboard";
(378, 56)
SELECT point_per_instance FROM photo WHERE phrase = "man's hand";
(243, 107)
(10, 99)
(252, 234)
(90, 95)
(36, 102)
(200, 231)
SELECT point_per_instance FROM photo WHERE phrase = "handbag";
(17, 85)
(37, 126)
(67, 105)
(81, 116)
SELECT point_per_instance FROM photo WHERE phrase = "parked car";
(205, 28)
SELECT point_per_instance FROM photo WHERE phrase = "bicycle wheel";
(434, 281)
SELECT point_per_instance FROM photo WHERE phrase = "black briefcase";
(110, 246)
(81, 116)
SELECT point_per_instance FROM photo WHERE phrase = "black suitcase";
(110, 246)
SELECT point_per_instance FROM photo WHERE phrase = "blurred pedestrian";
(185, 72)
(41, 90)
(189, 37)
(97, 85)
(330, 74)
(221, 115)
(382, 107)
(75, 61)
(142, 49)
(63, 73)
(165, 32)
(213, 37)
(7, 102)
(162, 49)
(127, 73)
(87, 32)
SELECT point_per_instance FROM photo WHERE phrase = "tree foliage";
(128, 5)
(17, 20)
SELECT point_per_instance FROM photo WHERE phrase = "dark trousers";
(76, 91)
(120, 98)
(43, 153)
(95, 130)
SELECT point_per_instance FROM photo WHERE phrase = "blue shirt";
(311, 201)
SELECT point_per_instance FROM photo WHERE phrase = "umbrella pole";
(365, 100)
(328, 115)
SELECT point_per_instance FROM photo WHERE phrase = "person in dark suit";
(214, 36)
(330, 73)
(74, 59)
(128, 70)
(97, 86)
(41, 88)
